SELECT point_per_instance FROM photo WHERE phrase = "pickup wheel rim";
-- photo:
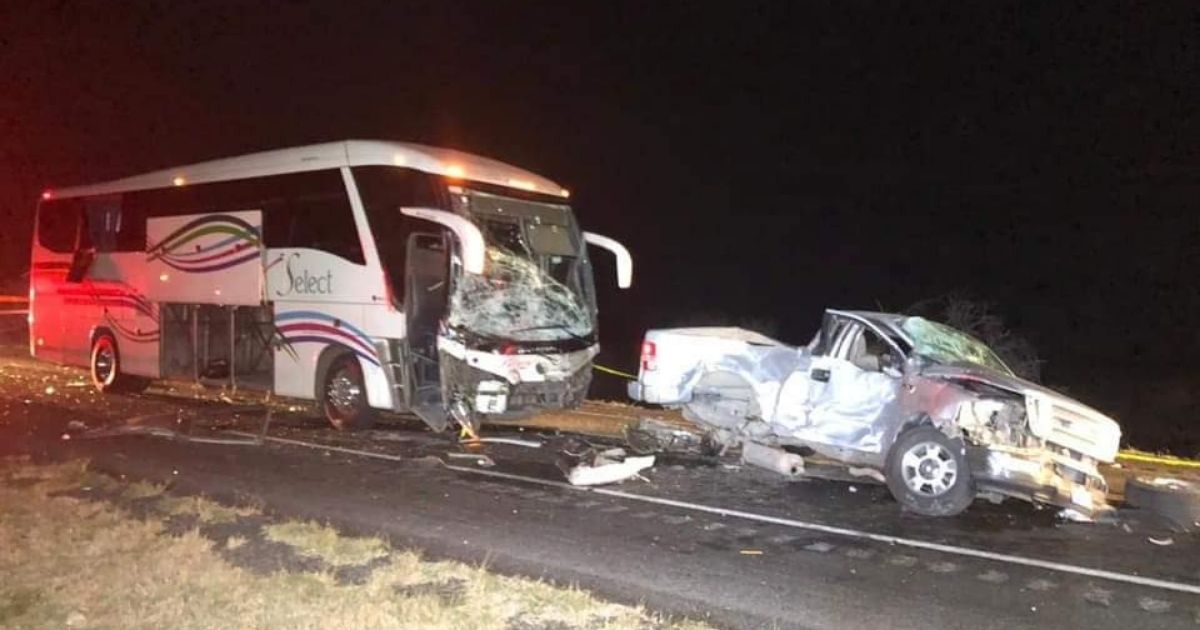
(929, 469)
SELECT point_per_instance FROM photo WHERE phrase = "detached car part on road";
(930, 408)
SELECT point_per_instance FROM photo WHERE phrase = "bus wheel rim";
(105, 363)
(345, 393)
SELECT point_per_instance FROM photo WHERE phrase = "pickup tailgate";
(672, 359)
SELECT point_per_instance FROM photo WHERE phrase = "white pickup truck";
(932, 409)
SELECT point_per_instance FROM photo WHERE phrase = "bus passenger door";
(54, 254)
(426, 273)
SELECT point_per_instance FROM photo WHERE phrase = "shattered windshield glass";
(536, 284)
(943, 344)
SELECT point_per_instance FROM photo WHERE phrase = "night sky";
(762, 161)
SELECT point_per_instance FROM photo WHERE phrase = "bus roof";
(437, 161)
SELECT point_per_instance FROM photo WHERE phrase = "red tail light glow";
(649, 356)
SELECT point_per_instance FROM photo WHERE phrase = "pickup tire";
(1173, 499)
(927, 473)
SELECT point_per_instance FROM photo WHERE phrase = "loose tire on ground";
(927, 473)
(344, 395)
(104, 367)
(1173, 499)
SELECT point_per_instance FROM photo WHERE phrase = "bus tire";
(104, 367)
(344, 395)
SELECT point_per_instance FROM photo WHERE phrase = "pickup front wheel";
(927, 472)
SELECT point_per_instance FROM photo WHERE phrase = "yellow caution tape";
(1165, 460)
(608, 370)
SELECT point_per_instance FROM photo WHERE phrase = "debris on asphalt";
(1074, 516)
(598, 467)
(1153, 605)
(503, 440)
(163, 425)
(1099, 596)
(751, 552)
(478, 458)
(1161, 542)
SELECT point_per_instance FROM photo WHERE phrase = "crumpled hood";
(1008, 382)
(1105, 425)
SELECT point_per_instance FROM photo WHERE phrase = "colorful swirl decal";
(111, 298)
(298, 327)
(242, 243)
(125, 332)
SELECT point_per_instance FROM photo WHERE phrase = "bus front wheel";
(344, 395)
(105, 368)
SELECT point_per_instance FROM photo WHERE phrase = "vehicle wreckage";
(929, 409)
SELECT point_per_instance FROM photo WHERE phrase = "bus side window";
(58, 224)
(102, 220)
(386, 189)
(309, 210)
(131, 232)
(324, 221)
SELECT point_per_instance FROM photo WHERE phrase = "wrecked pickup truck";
(931, 410)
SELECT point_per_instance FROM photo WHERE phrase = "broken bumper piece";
(1039, 477)
(597, 467)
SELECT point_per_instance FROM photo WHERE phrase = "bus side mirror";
(470, 239)
(624, 260)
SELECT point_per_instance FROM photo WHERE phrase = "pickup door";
(847, 389)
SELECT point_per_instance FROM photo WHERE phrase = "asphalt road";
(736, 547)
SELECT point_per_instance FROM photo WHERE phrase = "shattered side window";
(943, 344)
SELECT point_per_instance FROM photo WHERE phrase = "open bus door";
(427, 275)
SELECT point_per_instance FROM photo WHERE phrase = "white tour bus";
(361, 274)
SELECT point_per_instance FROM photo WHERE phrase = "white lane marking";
(787, 522)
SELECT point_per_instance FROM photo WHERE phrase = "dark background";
(761, 161)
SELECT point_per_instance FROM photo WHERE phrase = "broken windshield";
(943, 344)
(536, 285)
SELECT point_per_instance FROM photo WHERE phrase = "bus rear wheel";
(105, 368)
(344, 396)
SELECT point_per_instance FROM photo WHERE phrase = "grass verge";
(68, 560)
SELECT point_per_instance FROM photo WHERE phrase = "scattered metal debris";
(1153, 605)
(164, 425)
(598, 467)
(503, 440)
(1099, 596)
(478, 458)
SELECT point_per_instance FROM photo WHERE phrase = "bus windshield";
(537, 282)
